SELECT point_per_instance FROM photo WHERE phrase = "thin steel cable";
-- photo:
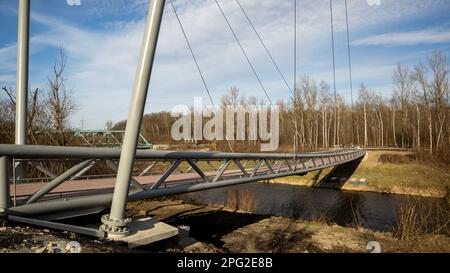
(334, 73)
(349, 66)
(295, 79)
(264, 46)
(196, 62)
(243, 52)
(192, 52)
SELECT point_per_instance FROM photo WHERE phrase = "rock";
(73, 247)
(37, 249)
(46, 231)
(2, 229)
(55, 247)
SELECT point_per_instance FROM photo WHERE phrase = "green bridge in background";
(108, 138)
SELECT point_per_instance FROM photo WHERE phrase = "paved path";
(106, 185)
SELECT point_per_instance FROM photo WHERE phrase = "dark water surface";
(372, 210)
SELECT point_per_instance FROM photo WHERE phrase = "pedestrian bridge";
(71, 193)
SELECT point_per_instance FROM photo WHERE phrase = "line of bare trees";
(414, 116)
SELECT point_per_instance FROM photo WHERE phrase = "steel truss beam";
(268, 166)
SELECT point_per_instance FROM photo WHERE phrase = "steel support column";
(4, 184)
(115, 223)
(22, 81)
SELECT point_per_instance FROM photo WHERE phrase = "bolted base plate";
(144, 231)
(115, 228)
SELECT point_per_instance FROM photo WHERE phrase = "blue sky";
(102, 38)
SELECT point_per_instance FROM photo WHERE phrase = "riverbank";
(389, 172)
(215, 229)
(219, 229)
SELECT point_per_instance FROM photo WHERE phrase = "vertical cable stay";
(349, 67)
(196, 62)
(244, 53)
(264, 46)
(334, 74)
(295, 79)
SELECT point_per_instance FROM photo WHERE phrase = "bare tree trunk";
(430, 128)
(365, 126)
(393, 125)
(418, 126)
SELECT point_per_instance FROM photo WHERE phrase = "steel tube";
(197, 170)
(166, 174)
(59, 180)
(42, 169)
(55, 225)
(83, 171)
(22, 81)
(58, 152)
(135, 113)
(4, 183)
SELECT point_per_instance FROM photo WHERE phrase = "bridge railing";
(248, 167)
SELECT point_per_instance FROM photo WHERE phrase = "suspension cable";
(243, 52)
(264, 46)
(334, 73)
(196, 63)
(349, 67)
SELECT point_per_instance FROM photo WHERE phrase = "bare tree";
(403, 91)
(36, 116)
(364, 98)
(324, 110)
(440, 90)
(60, 102)
(420, 72)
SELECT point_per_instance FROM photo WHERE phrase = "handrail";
(65, 152)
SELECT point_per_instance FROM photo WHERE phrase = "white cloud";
(428, 36)
(102, 61)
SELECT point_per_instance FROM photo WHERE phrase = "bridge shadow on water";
(338, 176)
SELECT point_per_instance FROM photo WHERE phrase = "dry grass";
(416, 219)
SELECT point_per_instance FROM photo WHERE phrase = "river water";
(372, 210)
